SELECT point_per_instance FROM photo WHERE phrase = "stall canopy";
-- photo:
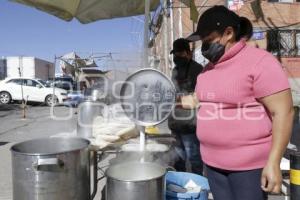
(87, 11)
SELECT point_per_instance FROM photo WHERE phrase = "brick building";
(176, 23)
(276, 28)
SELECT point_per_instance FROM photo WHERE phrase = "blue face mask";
(212, 51)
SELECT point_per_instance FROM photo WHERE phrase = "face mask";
(180, 61)
(212, 51)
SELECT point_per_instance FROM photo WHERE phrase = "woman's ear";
(229, 34)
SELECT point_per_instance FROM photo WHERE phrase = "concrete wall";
(44, 69)
(30, 67)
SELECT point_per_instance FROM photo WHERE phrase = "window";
(287, 43)
(298, 42)
(15, 81)
(31, 83)
(284, 42)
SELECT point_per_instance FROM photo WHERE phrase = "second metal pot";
(51, 169)
(135, 181)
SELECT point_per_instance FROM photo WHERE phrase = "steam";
(163, 158)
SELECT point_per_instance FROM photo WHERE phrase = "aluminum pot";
(51, 169)
(135, 181)
(87, 111)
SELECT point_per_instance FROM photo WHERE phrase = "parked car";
(34, 90)
(74, 98)
(65, 83)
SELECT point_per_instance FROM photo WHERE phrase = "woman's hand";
(189, 101)
(280, 107)
(271, 178)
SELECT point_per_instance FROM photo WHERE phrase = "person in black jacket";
(182, 122)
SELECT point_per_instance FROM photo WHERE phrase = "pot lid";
(148, 97)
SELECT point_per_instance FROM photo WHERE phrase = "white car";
(33, 90)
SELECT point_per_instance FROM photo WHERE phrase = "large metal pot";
(135, 181)
(51, 169)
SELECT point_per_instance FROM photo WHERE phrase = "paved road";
(39, 123)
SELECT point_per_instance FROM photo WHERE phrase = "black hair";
(218, 18)
(245, 30)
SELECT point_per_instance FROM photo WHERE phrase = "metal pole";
(146, 33)
(172, 27)
(53, 95)
(295, 176)
(165, 37)
(180, 21)
(226, 3)
(22, 91)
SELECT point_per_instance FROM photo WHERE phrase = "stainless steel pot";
(135, 181)
(87, 111)
(51, 169)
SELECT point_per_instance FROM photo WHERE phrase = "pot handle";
(170, 168)
(93, 155)
(48, 162)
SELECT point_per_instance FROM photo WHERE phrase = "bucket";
(181, 179)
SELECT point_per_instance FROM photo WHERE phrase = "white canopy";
(87, 11)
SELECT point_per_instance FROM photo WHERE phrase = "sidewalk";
(5, 172)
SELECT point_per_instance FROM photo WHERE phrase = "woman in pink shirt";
(245, 117)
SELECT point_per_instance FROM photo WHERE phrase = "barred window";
(284, 42)
(298, 42)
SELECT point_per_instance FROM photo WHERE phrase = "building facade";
(30, 67)
(276, 28)
(175, 22)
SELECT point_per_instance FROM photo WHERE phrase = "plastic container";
(181, 179)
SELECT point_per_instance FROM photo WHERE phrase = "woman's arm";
(280, 106)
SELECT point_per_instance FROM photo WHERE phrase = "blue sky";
(30, 32)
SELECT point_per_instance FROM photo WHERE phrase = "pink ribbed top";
(234, 129)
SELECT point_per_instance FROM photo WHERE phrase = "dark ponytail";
(245, 29)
